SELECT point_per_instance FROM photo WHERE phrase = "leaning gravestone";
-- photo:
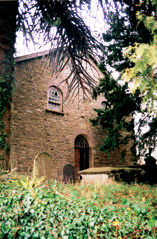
(43, 165)
(68, 173)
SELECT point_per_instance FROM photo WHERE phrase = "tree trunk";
(8, 13)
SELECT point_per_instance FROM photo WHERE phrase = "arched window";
(54, 99)
(103, 104)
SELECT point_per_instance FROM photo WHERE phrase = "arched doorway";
(81, 154)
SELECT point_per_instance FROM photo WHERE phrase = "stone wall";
(36, 129)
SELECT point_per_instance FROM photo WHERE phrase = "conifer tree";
(124, 31)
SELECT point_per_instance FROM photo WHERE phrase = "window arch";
(54, 99)
(103, 104)
(81, 153)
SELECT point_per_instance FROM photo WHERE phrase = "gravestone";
(43, 165)
(150, 169)
(68, 173)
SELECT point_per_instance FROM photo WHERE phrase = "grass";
(77, 211)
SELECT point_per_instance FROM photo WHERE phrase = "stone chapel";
(43, 121)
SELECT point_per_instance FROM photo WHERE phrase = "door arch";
(81, 154)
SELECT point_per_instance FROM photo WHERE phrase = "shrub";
(77, 211)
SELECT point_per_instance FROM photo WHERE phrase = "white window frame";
(55, 99)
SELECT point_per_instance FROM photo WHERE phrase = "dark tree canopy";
(116, 117)
(124, 30)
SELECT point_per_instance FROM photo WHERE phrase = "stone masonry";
(35, 128)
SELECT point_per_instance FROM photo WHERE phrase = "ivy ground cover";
(77, 211)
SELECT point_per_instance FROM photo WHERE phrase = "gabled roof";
(31, 56)
(41, 54)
